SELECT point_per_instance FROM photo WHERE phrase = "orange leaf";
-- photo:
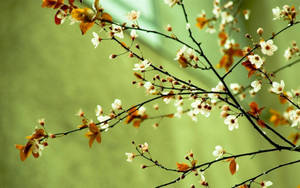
(232, 166)
(277, 118)
(98, 137)
(261, 123)
(201, 22)
(85, 26)
(106, 17)
(249, 67)
(92, 139)
(182, 167)
(254, 110)
(137, 123)
(223, 38)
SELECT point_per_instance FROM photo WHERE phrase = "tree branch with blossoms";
(171, 88)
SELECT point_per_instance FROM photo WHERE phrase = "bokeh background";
(50, 71)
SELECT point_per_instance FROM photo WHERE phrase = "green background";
(51, 71)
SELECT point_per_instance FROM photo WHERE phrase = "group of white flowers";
(103, 119)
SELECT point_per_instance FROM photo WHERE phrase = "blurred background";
(50, 72)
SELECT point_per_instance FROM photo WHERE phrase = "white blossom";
(171, 3)
(226, 17)
(118, 31)
(232, 122)
(268, 47)
(266, 184)
(235, 87)
(142, 66)
(144, 147)
(99, 110)
(149, 88)
(256, 60)
(95, 40)
(130, 156)
(294, 116)
(133, 34)
(287, 54)
(218, 152)
(276, 13)
(256, 85)
(277, 87)
(246, 14)
(104, 121)
(216, 11)
(117, 104)
(133, 15)
(142, 111)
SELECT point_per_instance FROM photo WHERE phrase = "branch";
(256, 46)
(209, 164)
(285, 66)
(264, 173)
(137, 106)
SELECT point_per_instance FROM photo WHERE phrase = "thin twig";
(266, 172)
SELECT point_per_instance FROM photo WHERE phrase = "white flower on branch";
(218, 152)
(232, 122)
(150, 89)
(142, 111)
(213, 96)
(133, 34)
(277, 87)
(287, 54)
(144, 147)
(256, 60)
(99, 110)
(216, 11)
(133, 15)
(235, 87)
(268, 47)
(117, 104)
(130, 156)
(246, 14)
(294, 116)
(265, 184)
(142, 66)
(96, 39)
(256, 85)
(201, 107)
(104, 121)
(171, 3)
(276, 13)
(117, 31)
(226, 17)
